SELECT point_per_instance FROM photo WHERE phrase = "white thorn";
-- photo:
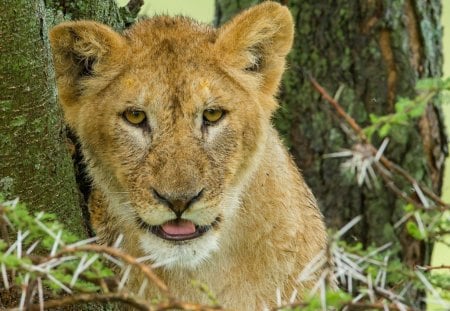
(118, 241)
(57, 282)
(421, 196)
(24, 291)
(56, 243)
(113, 260)
(83, 242)
(40, 294)
(347, 227)
(5, 276)
(381, 149)
(278, 296)
(32, 247)
(142, 288)
(293, 296)
(420, 225)
(124, 278)
(340, 154)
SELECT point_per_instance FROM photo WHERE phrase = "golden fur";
(264, 222)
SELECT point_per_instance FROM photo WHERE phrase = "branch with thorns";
(370, 160)
(115, 252)
(383, 165)
(352, 269)
(34, 270)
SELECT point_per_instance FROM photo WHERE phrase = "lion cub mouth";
(178, 229)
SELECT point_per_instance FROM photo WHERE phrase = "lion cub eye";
(135, 117)
(212, 115)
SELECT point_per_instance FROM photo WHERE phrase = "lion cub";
(174, 119)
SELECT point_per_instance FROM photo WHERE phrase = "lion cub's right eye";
(212, 115)
(135, 117)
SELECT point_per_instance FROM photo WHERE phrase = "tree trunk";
(35, 162)
(376, 50)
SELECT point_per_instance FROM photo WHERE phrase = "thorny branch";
(374, 160)
(388, 166)
(348, 267)
(40, 266)
(102, 249)
(391, 185)
(121, 296)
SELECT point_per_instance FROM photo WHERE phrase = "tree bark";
(376, 50)
(35, 163)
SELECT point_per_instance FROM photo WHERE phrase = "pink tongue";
(180, 227)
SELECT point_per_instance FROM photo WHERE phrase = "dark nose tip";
(178, 203)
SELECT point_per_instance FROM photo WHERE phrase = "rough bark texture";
(105, 12)
(35, 164)
(35, 161)
(377, 50)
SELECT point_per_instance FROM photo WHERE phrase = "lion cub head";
(173, 117)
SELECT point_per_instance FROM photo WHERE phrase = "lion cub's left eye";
(135, 117)
(212, 115)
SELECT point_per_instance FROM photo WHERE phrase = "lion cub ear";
(87, 56)
(257, 42)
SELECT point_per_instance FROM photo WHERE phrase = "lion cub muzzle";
(178, 229)
(177, 203)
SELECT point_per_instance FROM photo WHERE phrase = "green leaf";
(337, 298)
(373, 118)
(3, 245)
(413, 230)
(403, 104)
(385, 129)
(428, 84)
(400, 118)
(11, 261)
(418, 110)
(368, 131)
(446, 84)
(408, 208)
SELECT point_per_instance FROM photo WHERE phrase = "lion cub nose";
(178, 203)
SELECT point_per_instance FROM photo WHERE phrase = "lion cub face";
(172, 117)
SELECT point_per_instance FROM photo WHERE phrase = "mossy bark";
(35, 161)
(376, 50)
(35, 164)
